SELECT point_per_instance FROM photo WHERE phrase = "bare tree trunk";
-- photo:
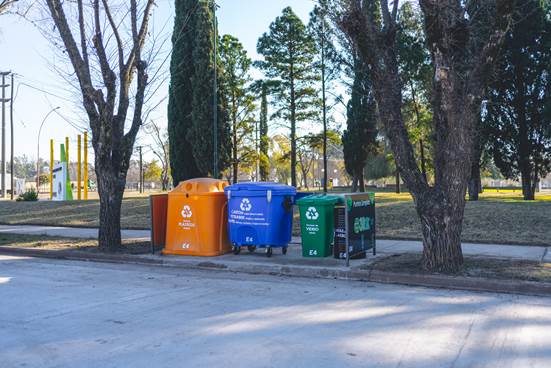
(463, 55)
(362, 182)
(441, 226)
(110, 193)
(355, 183)
(528, 189)
(475, 182)
(398, 190)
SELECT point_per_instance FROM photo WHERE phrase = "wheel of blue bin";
(251, 248)
(236, 249)
(284, 250)
(269, 251)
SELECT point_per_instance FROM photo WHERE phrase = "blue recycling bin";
(260, 215)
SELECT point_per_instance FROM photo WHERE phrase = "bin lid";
(201, 186)
(320, 199)
(276, 188)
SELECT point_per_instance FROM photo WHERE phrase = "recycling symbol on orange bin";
(245, 205)
(312, 213)
(186, 212)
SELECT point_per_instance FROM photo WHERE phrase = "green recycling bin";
(317, 224)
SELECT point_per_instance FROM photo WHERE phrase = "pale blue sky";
(24, 51)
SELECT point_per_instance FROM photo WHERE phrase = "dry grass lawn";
(58, 243)
(499, 217)
(503, 269)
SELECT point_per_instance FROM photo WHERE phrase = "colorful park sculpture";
(60, 181)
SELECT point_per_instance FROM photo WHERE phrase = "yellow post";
(67, 153)
(79, 171)
(51, 169)
(85, 166)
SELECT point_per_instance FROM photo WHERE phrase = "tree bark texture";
(107, 106)
(462, 58)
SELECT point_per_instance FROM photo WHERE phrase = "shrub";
(28, 196)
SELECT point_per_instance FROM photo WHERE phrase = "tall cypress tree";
(359, 138)
(182, 164)
(191, 99)
(289, 52)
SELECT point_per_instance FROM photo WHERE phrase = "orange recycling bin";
(158, 204)
(197, 218)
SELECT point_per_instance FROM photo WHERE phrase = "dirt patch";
(491, 268)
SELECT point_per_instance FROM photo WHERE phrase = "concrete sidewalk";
(70, 232)
(524, 252)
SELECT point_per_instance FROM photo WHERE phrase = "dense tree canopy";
(517, 115)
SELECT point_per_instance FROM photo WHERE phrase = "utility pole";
(12, 141)
(141, 170)
(257, 149)
(3, 164)
(79, 168)
(324, 103)
(85, 166)
(215, 102)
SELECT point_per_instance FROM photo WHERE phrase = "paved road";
(533, 253)
(79, 314)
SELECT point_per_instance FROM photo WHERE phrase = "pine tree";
(289, 53)
(327, 63)
(236, 66)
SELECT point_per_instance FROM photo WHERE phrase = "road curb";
(319, 272)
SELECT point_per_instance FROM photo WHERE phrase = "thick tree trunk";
(528, 189)
(110, 193)
(441, 228)
(463, 57)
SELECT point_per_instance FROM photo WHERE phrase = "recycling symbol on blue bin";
(245, 205)
(312, 213)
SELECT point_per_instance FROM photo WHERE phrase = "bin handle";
(269, 196)
(287, 204)
(221, 240)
